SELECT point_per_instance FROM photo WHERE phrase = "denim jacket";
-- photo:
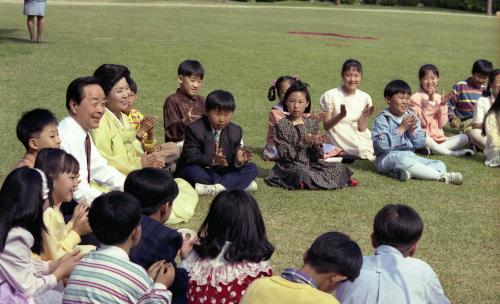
(386, 138)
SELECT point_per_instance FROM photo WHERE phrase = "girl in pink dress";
(232, 251)
(432, 111)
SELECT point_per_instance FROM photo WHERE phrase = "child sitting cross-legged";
(332, 259)
(157, 190)
(232, 250)
(107, 275)
(393, 275)
(396, 133)
(213, 158)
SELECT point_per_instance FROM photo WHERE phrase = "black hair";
(113, 216)
(109, 74)
(351, 64)
(483, 67)
(397, 225)
(335, 252)
(191, 68)
(396, 86)
(75, 89)
(21, 205)
(274, 89)
(427, 68)
(32, 123)
(132, 85)
(234, 216)
(54, 162)
(298, 86)
(491, 80)
(152, 187)
(220, 100)
(495, 108)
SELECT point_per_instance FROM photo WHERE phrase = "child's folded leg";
(196, 174)
(239, 178)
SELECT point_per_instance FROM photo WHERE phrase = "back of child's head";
(483, 67)
(422, 72)
(298, 86)
(152, 187)
(22, 196)
(397, 225)
(335, 252)
(109, 74)
(395, 87)
(132, 85)
(75, 89)
(32, 123)
(234, 216)
(491, 81)
(113, 217)
(54, 162)
(275, 87)
(352, 64)
(220, 100)
(191, 68)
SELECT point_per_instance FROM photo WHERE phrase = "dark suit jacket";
(158, 242)
(199, 144)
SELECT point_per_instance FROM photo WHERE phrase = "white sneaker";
(252, 187)
(454, 178)
(211, 190)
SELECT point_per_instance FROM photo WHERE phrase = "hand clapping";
(243, 155)
(219, 158)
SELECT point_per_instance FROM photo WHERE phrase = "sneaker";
(252, 187)
(352, 182)
(423, 151)
(454, 178)
(463, 152)
(211, 190)
(400, 174)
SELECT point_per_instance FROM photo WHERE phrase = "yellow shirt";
(134, 118)
(277, 290)
(115, 139)
(60, 238)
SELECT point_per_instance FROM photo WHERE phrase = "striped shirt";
(108, 276)
(466, 96)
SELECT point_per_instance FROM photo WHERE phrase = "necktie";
(216, 136)
(87, 153)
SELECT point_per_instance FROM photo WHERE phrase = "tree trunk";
(489, 7)
(337, 2)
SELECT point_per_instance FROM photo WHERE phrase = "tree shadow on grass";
(363, 165)
(7, 34)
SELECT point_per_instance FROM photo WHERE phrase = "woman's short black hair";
(335, 252)
(32, 123)
(395, 87)
(21, 205)
(298, 86)
(113, 216)
(220, 100)
(152, 187)
(234, 216)
(191, 68)
(397, 225)
(132, 85)
(109, 74)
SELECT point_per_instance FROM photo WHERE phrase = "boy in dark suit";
(213, 159)
(157, 190)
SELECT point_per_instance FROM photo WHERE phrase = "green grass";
(242, 49)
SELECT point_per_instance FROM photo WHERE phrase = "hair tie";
(45, 187)
(273, 84)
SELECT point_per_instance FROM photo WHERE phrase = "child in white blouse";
(23, 196)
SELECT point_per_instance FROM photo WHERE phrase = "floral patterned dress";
(217, 281)
(300, 166)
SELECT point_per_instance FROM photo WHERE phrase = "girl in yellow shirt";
(60, 238)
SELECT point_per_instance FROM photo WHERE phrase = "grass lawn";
(244, 48)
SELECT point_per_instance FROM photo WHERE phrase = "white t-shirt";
(482, 107)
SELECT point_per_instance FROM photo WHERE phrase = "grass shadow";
(6, 34)
(363, 165)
